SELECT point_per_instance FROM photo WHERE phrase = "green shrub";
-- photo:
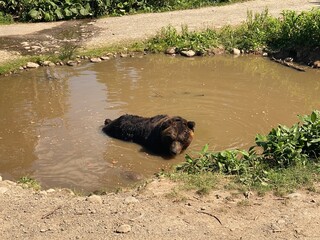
(49, 10)
(296, 29)
(284, 150)
(52, 10)
(5, 18)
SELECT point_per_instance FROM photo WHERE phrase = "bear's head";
(176, 135)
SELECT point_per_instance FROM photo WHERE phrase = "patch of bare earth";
(156, 211)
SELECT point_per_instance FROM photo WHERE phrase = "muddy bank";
(303, 56)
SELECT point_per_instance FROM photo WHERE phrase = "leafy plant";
(5, 18)
(283, 151)
(29, 182)
(260, 31)
(52, 10)
(296, 29)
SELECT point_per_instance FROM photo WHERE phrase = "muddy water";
(51, 118)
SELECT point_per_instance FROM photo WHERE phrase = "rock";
(10, 183)
(171, 50)
(3, 190)
(123, 55)
(316, 64)
(265, 54)
(44, 193)
(95, 199)
(32, 65)
(288, 59)
(95, 60)
(275, 228)
(125, 228)
(46, 63)
(295, 196)
(281, 221)
(131, 200)
(236, 51)
(35, 47)
(218, 50)
(105, 58)
(51, 190)
(72, 63)
(189, 53)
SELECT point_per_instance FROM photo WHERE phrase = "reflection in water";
(50, 122)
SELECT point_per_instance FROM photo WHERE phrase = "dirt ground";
(157, 210)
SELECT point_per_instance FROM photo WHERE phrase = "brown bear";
(160, 134)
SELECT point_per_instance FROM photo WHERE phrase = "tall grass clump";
(170, 37)
(296, 29)
(259, 31)
(286, 156)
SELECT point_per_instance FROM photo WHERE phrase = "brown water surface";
(51, 118)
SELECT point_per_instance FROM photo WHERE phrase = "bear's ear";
(191, 125)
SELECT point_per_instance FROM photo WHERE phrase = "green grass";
(202, 183)
(13, 65)
(29, 183)
(260, 31)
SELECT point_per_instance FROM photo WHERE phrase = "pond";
(51, 118)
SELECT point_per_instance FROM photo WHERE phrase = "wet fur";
(161, 134)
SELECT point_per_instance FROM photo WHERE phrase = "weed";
(243, 203)
(201, 183)
(176, 196)
(29, 183)
(68, 51)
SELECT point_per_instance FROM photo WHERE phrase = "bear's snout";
(175, 148)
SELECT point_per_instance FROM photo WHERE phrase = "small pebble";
(95, 199)
(125, 228)
(131, 200)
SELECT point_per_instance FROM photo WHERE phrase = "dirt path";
(157, 211)
(129, 28)
(38, 38)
